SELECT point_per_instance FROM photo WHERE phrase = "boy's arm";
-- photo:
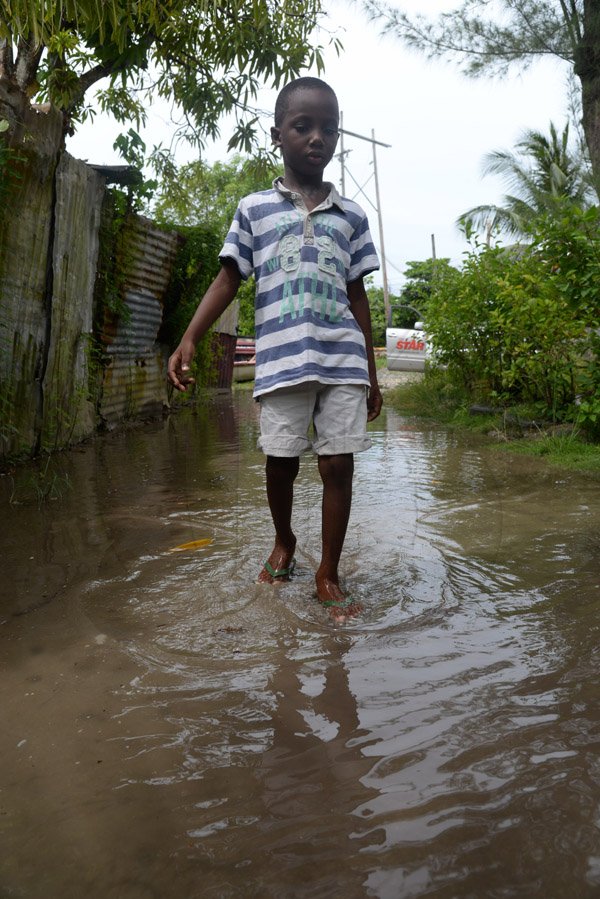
(359, 306)
(214, 302)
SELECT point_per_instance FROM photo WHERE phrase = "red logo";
(406, 344)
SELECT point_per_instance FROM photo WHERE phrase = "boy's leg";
(340, 425)
(281, 474)
(285, 416)
(336, 473)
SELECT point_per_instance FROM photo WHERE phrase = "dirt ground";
(388, 379)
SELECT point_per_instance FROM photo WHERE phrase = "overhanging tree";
(488, 37)
(206, 57)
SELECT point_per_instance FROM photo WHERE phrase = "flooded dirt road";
(171, 728)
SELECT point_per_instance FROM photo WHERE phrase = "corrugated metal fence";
(134, 380)
(55, 387)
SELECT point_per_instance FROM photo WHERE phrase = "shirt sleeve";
(238, 243)
(363, 255)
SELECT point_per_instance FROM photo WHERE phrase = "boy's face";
(308, 133)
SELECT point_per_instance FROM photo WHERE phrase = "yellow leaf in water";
(193, 544)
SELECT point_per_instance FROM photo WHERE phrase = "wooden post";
(386, 293)
(342, 157)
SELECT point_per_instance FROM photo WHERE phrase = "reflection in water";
(311, 777)
(172, 728)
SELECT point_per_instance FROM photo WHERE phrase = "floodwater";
(171, 728)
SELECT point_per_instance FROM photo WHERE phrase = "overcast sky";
(439, 125)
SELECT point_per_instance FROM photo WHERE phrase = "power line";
(377, 205)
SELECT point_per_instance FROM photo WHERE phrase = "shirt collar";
(332, 199)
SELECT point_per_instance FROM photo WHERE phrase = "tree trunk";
(26, 66)
(6, 59)
(587, 68)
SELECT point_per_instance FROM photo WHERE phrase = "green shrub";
(195, 267)
(518, 324)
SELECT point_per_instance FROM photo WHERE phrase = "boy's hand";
(374, 402)
(179, 367)
(213, 304)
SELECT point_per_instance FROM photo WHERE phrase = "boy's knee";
(339, 468)
(284, 467)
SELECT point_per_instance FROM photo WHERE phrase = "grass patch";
(564, 451)
(433, 398)
(39, 482)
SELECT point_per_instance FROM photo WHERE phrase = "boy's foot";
(340, 607)
(279, 566)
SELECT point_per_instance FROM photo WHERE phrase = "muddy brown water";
(170, 728)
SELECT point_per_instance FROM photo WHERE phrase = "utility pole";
(342, 156)
(386, 293)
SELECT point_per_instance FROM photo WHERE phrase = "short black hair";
(306, 83)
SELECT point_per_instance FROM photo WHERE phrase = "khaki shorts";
(337, 413)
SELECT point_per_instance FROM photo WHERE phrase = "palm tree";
(542, 174)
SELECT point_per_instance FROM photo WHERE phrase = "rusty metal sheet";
(134, 382)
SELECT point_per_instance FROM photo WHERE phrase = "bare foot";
(340, 607)
(279, 565)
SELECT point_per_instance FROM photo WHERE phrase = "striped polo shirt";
(302, 262)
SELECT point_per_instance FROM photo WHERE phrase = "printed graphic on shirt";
(304, 328)
(308, 294)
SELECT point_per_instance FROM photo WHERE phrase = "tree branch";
(482, 43)
(573, 23)
(105, 70)
(536, 33)
(6, 59)
(91, 77)
(28, 59)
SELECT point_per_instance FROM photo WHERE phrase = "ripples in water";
(211, 736)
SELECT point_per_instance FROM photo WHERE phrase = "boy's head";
(306, 126)
(300, 84)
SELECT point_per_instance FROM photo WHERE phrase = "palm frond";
(541, 172)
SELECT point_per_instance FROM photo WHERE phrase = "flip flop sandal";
(339, 604)
(279, 572)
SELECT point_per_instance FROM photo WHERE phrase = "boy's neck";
(314, 191)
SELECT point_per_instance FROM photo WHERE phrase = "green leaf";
(206, 57)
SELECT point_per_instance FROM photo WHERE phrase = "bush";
(518, 324)
(196, 266)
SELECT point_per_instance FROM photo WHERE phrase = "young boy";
(309, 250)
